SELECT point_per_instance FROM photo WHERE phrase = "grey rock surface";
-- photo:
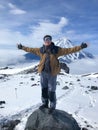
(58, 120)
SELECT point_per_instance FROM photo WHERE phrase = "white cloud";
(14, 10)
(10, 37)
(46, 27)
(72, 34)
(63, 21)
(84, 66)
(11, 6)
(17, 11)
(8, 57)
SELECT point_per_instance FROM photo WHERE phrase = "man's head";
(47, 40)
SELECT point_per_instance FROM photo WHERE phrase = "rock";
(2, 102)
(78, 79)
(3, 76)
(65, 87)
(34, 85)
(70, 83)
(9, 125)
(32, 70)
(58, 120)
(21, 82)
(64, 67)
(84, 128)
(4, 68)
(94, 87)
(57, 83)
(32, 78)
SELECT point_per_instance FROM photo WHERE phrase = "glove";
(19, 46)
(83, 45)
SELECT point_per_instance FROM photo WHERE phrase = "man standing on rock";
(49, 67)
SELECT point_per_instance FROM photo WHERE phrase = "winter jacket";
(51, 49)
(54, 62)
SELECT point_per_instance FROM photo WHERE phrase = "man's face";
(47, 41)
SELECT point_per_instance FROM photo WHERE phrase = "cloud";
(14, 10)
(63, 22)
(47, 27)
(11, 57)
(9, 37)
(72, 34)
(84, 66)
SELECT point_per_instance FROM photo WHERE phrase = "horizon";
(26, 22)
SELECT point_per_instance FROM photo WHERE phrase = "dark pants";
(48, 86)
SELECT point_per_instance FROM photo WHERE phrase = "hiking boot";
(43, 106)
(51, 110)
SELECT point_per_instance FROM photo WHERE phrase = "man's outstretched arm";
(35, 51)
(65, 51)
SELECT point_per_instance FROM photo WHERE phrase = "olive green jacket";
(54, 62)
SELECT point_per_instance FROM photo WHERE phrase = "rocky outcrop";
(64, 67)
(58, 120)
(9, 124)
(2, 102)
(94, 87)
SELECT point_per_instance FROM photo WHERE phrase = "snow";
(16, 92)
(18, 69)
(23, 96)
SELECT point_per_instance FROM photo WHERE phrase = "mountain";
(64, 43)
(30, 57)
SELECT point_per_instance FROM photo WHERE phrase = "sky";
(27, 21)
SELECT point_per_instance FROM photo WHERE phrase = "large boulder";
(58, 120)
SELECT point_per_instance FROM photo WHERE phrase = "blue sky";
(27, 21)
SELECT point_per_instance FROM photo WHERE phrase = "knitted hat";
(47, 37)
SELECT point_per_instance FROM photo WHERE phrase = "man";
(49, 67)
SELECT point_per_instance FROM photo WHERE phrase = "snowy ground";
(22, 95)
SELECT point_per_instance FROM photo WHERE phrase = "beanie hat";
(47, 36)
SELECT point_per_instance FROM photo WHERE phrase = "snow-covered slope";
(76, 94)
(17, 70)
(66, 43)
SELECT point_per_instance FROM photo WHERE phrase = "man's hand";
(19, 46)
(84, 45)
